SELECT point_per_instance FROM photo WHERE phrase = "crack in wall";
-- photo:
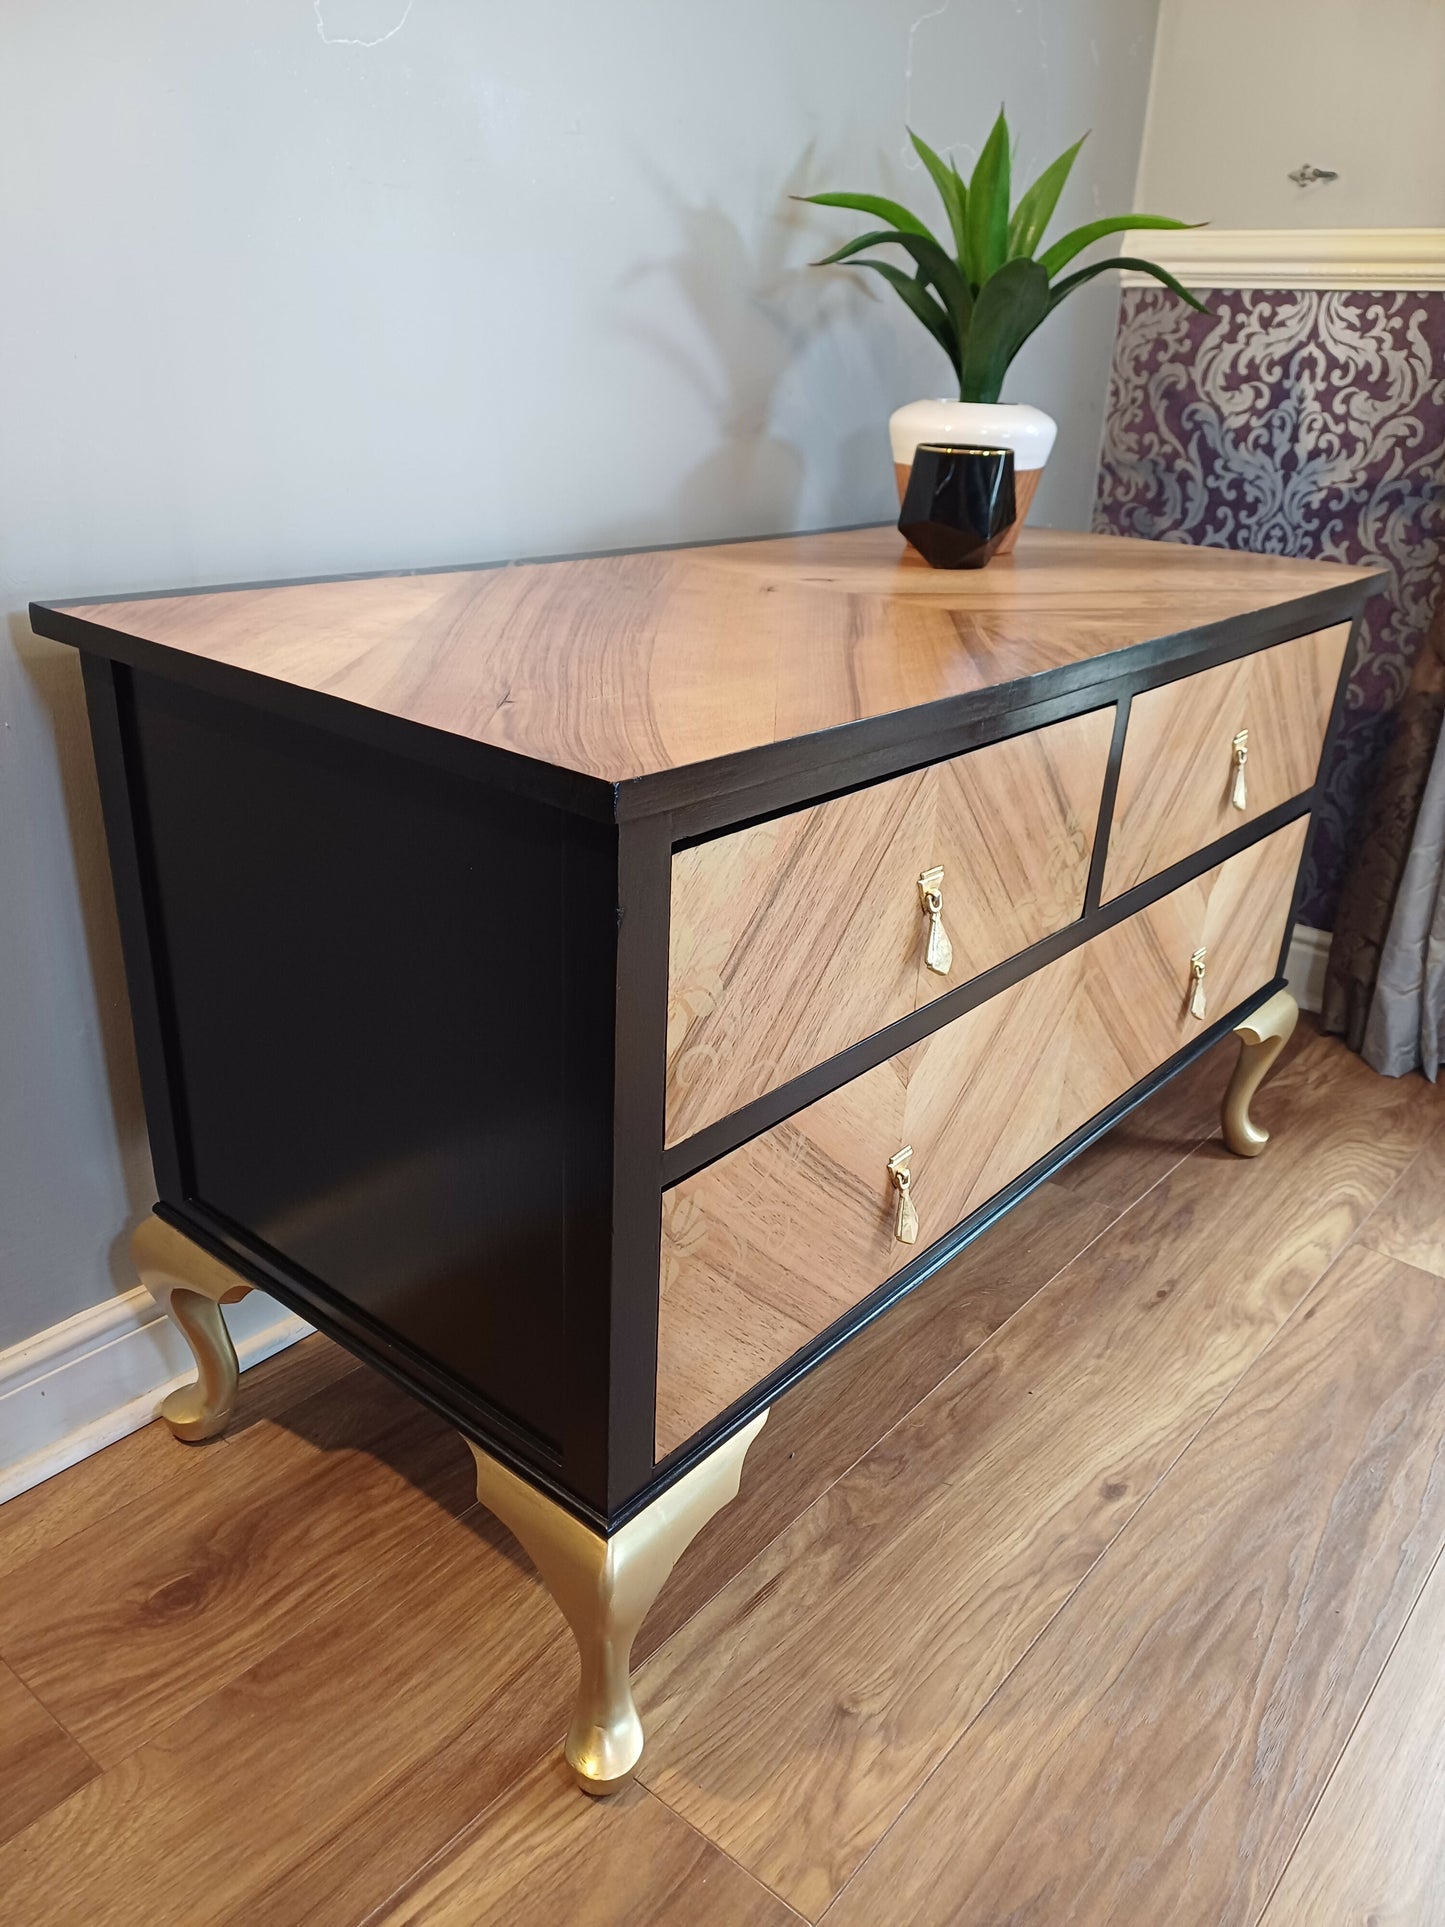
(911, 161)
(344, 40)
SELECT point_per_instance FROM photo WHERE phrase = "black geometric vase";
(959, 504)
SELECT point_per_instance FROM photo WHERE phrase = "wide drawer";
(1181, 783)
(794, 938)
(763, 1249)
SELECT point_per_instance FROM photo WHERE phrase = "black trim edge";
(1104, 829)
(550, 783)
(715, 794)
(711, 794)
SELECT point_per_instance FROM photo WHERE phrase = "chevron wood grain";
(621, 666)
(789, 941)
(768, 1245)
(1087, 1028)
(796, 937)
(763, 1249)
(1013, 829)
(1176, 778)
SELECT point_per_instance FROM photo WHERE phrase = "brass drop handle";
(1239, 795)
(1197, 1002)
(939, 954)
(905, 1222)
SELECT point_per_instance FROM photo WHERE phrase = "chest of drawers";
(591, 990)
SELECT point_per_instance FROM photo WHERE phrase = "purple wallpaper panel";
(1294, 423)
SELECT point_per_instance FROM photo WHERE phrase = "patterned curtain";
(1297, 423)
(1385, 987)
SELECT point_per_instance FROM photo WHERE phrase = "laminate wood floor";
(1099, 1583)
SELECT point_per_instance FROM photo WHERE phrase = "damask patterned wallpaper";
(1294, 423)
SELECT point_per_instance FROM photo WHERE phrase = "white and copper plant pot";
(1029, 432)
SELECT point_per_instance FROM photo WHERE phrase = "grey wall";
(511, 280)
(1245, 93)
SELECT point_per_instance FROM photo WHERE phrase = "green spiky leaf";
(1079, 238)
(1061, 290)
(917, 299)
(942, 273)
(1036, 206)
(986, 229)
(876, 204)
(983, 306)
(936, 269)
(876, 237)
(1010, 305)
(951, 190)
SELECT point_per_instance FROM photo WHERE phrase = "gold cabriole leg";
(604, 1588)
(192, 1286)
(1261, 1039)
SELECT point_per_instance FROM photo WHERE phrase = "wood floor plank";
(828, 1421)
(794, 1717)
(96, 1488)
(544, 1855)
(288, 1378)
(95, 1491)
(118, 1632)
(1146, 1145)
(1410, 1223)
(1156, 1754)
(225, 1816)
(1374, 1849)
(40, 1764)
(426, 1797)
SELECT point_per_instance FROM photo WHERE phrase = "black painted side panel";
(363, 961)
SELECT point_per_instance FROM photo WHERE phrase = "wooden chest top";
(624, 669)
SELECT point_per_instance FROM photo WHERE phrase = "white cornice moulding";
(93, 1378)
(1379, 260)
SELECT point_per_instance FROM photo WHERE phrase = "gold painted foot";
(192, 1286)
(1261, 1039)
(604, 1588)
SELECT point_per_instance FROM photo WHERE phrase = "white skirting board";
(89, 1381)
(1305, 966)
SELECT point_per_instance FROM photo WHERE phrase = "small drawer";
(1210, 752)
(795, 938)
(764, 1249)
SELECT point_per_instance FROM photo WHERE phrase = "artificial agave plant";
(982, 302)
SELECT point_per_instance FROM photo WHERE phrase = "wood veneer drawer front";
(795, 938)
(764, 1249)
(1177, 781)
